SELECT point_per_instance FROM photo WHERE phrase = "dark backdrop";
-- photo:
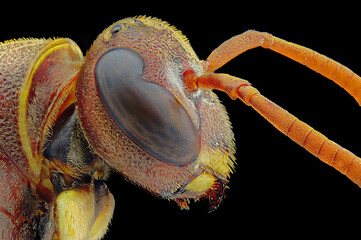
(278, 188)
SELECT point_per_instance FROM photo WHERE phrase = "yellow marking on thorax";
(34, 161)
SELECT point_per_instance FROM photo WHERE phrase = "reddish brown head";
(139, 116)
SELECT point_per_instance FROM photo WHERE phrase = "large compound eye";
(146, 112)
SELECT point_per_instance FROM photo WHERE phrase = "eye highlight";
(146, 112)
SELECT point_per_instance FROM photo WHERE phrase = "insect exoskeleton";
(173, 142)
(67, 121)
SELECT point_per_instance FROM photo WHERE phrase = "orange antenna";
(313, 141)
(319, 63)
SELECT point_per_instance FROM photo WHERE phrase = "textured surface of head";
(157, 55)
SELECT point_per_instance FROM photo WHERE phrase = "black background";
(278, 188)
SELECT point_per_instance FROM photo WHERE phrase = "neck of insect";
(313, 141)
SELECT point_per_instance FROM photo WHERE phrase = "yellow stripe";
(34, 161)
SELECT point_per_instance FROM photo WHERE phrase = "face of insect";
(140, 118)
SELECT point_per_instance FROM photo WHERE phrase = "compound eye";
(146, 112)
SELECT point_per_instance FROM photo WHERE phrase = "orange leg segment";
(327, 67)
(313, 141)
